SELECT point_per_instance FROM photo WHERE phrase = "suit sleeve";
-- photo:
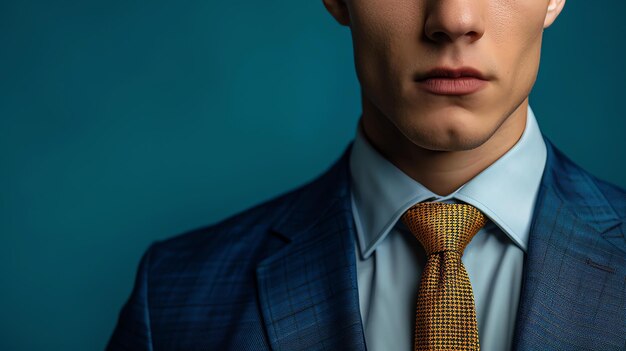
(132, 331)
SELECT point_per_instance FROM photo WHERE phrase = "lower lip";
(453, 86)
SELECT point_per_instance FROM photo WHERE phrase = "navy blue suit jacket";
(282, 275)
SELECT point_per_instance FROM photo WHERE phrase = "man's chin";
(448, 137)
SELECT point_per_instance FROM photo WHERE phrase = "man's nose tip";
(441, 36)
(450, 21)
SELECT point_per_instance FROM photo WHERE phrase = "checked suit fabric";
(445, 313)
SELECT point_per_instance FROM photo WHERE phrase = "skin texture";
(444, 141)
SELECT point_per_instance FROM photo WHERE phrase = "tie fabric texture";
(445, 313)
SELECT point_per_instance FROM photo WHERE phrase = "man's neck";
(442, 172)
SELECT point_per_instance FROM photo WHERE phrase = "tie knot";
(443, 227)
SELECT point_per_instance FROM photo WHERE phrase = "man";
(450, 199)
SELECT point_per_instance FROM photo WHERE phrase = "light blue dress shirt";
(390, 260)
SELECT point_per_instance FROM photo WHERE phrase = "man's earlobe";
(554, 9)
(339, 10)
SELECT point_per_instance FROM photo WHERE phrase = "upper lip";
(451, 73)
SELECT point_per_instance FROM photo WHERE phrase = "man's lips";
(444, 72)
(452, 81)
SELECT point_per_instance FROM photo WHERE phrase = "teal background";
(124, 122)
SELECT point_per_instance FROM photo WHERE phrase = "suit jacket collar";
(573, 280)
(308, 288)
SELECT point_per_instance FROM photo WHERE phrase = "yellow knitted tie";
(445, 315)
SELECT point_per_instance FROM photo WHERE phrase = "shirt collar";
(505, 191)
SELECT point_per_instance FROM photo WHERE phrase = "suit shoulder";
(239, 226)
(245, 234)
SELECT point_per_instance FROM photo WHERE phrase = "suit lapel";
(573, 283)
(308, 288)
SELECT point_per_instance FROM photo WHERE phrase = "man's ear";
(554, 9)
(339, 10)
